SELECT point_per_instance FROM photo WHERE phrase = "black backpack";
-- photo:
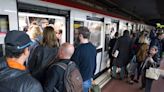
(72, 77)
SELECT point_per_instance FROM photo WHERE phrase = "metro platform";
(107, 84)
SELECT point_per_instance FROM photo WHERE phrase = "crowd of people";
(36, 61)
(136, 52)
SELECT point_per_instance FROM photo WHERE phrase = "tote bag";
(152, 73)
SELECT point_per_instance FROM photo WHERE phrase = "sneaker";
(131, 82)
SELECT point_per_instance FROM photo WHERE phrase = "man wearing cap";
(14, 76)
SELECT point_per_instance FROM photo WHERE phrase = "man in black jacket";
(14, 76)
(55, 75)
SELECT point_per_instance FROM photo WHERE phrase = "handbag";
(152, 73)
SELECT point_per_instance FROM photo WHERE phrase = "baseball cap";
(17, 40)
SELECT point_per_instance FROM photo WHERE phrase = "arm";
(75, 57)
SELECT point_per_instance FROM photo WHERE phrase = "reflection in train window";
(96, 33)
(77, 24)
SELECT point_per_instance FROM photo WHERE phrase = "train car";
(19, 14)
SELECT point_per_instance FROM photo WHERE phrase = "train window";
(96, 29)
(77, 24)
(42, 20)
(4, 23)
(113, 30)
(123, 26)
(107, 35)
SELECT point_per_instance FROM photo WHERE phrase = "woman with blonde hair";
(35, 35)
(142, 54)
(43, 54)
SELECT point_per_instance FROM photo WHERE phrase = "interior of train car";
(68, 16)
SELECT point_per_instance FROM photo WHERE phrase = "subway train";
(19, 14)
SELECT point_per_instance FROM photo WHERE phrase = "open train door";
(59, 19)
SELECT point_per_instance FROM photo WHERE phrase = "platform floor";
(121, 86)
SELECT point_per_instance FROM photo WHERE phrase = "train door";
(44, 16)
(96, 27)
(105, 61)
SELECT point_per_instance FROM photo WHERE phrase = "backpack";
(72, 77)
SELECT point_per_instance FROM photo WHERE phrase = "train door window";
(113, 30)
(42, 20)
(4, 23)
(95, 25)
(107, 35)
(123, 26)
(76, 25)
(130, 27)
(96, 29)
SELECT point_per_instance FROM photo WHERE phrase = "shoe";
(131, 82)
(136, 81)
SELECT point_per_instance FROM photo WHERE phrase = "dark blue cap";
(17, 40)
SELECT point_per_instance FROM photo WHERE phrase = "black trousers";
(148, 85)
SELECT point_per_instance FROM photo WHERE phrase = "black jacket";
(55, 78)
(13, 80)
(123, 45)
(41, 58)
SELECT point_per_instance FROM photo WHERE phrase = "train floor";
(123, 86)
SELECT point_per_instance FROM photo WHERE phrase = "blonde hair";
(35, 31)
(142, 52)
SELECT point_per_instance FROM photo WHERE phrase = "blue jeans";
(122, 73)
(86, 85)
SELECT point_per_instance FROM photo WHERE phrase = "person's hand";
(151, 60)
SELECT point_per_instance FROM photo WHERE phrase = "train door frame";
(101, 47)
(30, 8)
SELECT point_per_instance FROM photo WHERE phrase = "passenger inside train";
(81, 46)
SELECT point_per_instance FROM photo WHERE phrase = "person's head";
(49, 37)
(116, 35)
(160, 34)
(84, 33)
(126, 32)
(66, 51)
(34, 31)
(17, 44)
(153, 50)
(59, 34)
(44, 23)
